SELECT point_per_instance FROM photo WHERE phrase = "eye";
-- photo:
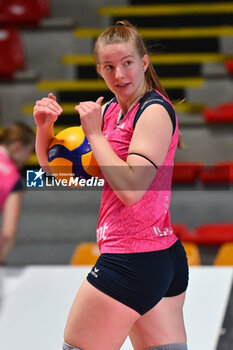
(108, 67)
(128, 63)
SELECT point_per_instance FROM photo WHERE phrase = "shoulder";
(112, 102)
(155, 103)
(155, 115)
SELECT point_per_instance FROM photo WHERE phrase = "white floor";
(35, 302)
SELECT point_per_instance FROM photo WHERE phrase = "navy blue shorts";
(141, 280)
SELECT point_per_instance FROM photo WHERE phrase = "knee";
(67, 346)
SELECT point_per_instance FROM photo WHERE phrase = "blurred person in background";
(16, 145)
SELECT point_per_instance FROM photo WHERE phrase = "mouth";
(122, 86)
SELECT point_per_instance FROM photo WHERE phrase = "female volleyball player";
(138, 284)
(16, 144)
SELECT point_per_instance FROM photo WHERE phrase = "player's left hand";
(90, 116)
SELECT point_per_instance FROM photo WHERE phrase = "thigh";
(97, 321)
(163, 324)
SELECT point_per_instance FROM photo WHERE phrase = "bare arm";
(46, 112)
(10, 219)
(44, 137)
(151, 138)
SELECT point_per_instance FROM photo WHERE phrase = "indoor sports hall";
(46, 47)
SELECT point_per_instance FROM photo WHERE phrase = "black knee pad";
(67, 346)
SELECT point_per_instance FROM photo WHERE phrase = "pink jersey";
(9, 175)
(144, 226)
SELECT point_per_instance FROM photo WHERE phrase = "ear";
(99, 70)
(145, 62)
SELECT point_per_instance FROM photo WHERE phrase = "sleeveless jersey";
(144, 226)
(9, 175)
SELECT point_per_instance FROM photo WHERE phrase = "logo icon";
(121, 126)
(35, 178)
(94, 272)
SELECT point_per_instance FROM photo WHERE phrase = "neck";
(126, 104)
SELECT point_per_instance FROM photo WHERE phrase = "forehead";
(110, 52)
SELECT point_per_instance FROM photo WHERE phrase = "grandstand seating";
(178, 68)
(220, 173)
(178, 56)
(182, 46)
(12, 57)
(23, 12)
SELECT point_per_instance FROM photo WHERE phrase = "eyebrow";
(123, 58)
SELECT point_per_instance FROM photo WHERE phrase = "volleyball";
(70, 156)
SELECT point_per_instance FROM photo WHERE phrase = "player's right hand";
(46, 111)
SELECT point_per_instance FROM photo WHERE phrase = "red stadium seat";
(220, 173)
(23, 12)
(208, 234)
(220, 114)
(180, 230)
(228, 164)
(11, 57)
(186, 172)
(229, 65)
(183, 232)
(214, 234)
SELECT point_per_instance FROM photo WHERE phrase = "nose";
(119, 73)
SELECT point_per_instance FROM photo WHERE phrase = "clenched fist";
(46, 111)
